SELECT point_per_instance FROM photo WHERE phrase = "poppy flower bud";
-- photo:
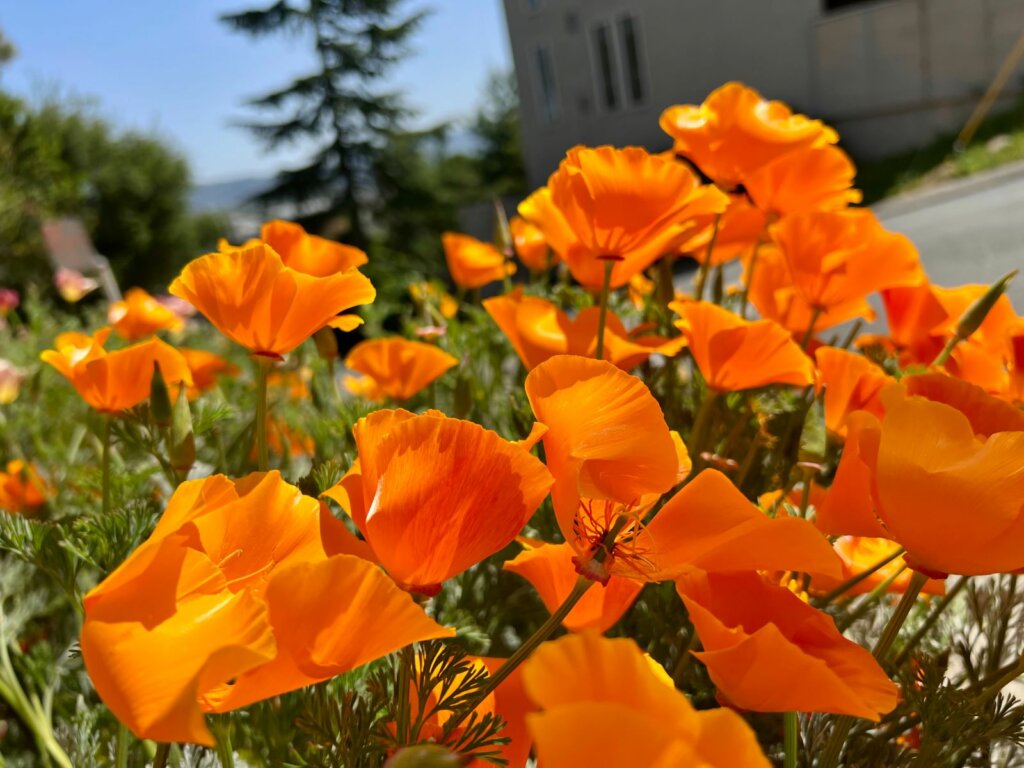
(978, 311)
(502, 232)
(181, 442)
(326, 344)
(159, 398)
(425, 756)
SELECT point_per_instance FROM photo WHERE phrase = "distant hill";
(225, 195)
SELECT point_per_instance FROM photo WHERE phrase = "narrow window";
(607, 85)
(629, 37)
(546, 80)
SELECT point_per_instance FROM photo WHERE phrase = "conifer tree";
(340, 106)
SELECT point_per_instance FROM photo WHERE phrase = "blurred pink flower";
(11, 379)
(9, 299)
(73, 286)
(180, 307)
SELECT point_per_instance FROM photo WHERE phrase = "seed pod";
(181, 442)
(975, 315)
(159, 398)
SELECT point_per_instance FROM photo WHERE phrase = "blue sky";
(171, 67)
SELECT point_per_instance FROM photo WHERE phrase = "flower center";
(611, 539)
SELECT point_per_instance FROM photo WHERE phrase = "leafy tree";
(338, 106)
(496, 127)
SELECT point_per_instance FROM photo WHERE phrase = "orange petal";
(768, 651)
(711, 526)
(317, 641)
(551, 571)
(473, 263)
(398, 367)
(607, 437)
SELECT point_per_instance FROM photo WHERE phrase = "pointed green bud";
(502, 232)
(181, 442)
(978, 311)
(425, 756)
(326, 343)
(159, 398)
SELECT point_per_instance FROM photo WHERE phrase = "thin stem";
(809, 333)
(745, 298)
(841, 728)
(705, 267)
(869, 600)
(947, 350)
(105, 463)
(933, 617)
(683, 663)
(262, 369)
(854, 581)
(121, 747)
(993, 690)
(700, 426)
(602, 316)
(162, 751)
(792, 738)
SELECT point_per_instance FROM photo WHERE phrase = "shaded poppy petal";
(205, 368)
(987, 415)
(848, 507)
(861, 553)
(852, 383)
(512, 705)
(551, 571)
(530, 244)
(768, 651)
(815, 178)
(606, 438)
(710, 525)
(954, 500)
(397, 367)
(735, 354)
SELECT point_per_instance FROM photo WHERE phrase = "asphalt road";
(969, 232)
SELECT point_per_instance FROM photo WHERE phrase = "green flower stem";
(162, 751)
(947, 350)
(700, 427)
(705, 266)
(751, 270)
(809, 333)
(105, 463)
(841, 728)
(262, 370)
(121, 747)
(792, 738)
(602, 316)
(930, 621)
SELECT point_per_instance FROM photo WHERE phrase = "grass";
(938, 160)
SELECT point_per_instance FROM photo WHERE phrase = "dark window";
(607, 85)
(834, 5)
(629, 37)
(546, 80)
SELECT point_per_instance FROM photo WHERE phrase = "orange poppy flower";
(944, 473)
(530, 244)
(434, 495)
(310, 254)
(627, 206)
(607, 438)
(861, 553)
(539, 330)
(768, 651)
(551, 570)
(586, 685)
(735, 132)
(709, 525)
(228, 594)
(112, 382)
(817, 178)
(139, 315)
(830, 263)
(205, 367)
(22, 488)
(395, 368)
(735, 354)
(268, 307)
(473, 263)
(1015, 382)
(852, 383)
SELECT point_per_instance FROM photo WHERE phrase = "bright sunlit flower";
(73, 286)
(395, 368)
(254, 298)
(473, 263)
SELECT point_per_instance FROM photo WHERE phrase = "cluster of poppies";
(248, 588)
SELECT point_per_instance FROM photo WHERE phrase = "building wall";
(889, 73)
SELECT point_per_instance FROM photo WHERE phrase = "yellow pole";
(994, 89)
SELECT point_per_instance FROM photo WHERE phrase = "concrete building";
(889, 74)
